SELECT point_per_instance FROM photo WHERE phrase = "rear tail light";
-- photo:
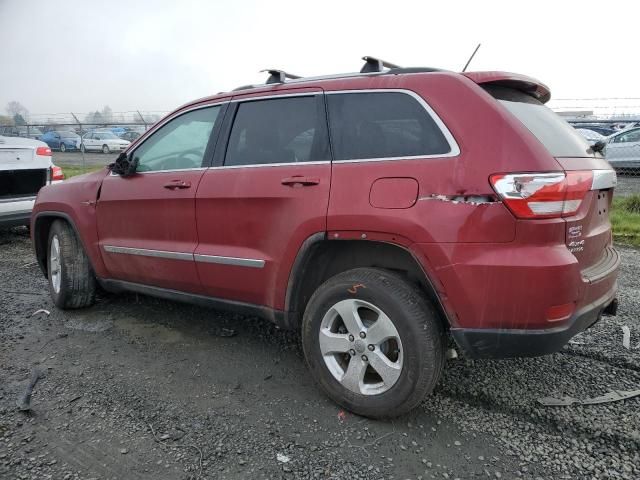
(44, 151)
(543, 195)
(56, 173)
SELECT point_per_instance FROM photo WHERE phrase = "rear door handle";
(175, 184)
(300, 180)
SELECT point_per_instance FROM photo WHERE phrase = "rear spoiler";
(528, 85)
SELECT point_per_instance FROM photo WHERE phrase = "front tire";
(373, 342)
(105, 149)
(63, 147)
(72, 283)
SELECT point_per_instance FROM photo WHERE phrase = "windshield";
(560, 138)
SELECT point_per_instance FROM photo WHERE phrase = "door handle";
(177, 184)
(300, 180)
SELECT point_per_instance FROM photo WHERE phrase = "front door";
(146, 222)
(268, 194)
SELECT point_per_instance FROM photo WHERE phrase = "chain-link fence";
(36, 125)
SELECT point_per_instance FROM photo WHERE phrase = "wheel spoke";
(388, 370)
(333, 342)
(348, 310)
(381, 330)
(354, 374)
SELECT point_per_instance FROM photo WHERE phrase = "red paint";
(490, 269)
(139, 212)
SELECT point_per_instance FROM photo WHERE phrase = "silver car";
(623, 149)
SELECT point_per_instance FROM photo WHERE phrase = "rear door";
(267, 193)
(88, 141)
(146, 222)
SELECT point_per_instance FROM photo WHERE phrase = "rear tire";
(63, 147)
(105, 149)
(72, 283)
(394, 330)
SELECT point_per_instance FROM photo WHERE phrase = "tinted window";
(279, 130)
(382, 125)
(559, 138)
(179, 144)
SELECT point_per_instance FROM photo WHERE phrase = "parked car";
(62, 140)
(106, 142)
(590, 135)
(417, 224)
(602, 129)
(21, 131)
(25, 167)
(130, 135)
(623, 149)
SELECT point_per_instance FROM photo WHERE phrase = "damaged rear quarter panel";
(76, 199)
(434, 218)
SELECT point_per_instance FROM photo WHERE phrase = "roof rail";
(278, 76)
(373, 64)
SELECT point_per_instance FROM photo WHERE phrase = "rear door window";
(371, 125)
(278, 130)
(559, 138)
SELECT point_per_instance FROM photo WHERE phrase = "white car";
(25, 167)
(623, 149)
(106, 142)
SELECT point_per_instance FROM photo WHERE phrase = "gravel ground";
(136, 387)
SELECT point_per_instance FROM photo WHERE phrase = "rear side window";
(559, 138)
(382, 125)
(279, 130)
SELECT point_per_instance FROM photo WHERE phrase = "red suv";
(378, 212)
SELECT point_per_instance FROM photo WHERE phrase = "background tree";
(17, 111)
(107, 114)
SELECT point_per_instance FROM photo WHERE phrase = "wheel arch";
(320, 258)
(41, 224)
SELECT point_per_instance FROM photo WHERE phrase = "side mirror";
(599, 146)
(124, 165)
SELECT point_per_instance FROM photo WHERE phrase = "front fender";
(74, 201)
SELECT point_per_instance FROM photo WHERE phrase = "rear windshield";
(560, 138)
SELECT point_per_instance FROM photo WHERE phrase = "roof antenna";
(471, 58)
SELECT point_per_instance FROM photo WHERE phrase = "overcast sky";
(78, 55)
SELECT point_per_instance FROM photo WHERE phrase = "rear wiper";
(598, 146)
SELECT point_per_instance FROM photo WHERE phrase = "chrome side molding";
(237, 261)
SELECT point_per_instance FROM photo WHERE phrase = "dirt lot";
(140, 388)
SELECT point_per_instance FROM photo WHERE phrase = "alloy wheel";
(361, 347)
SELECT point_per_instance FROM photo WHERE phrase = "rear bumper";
(14, 213)
(503, 343)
